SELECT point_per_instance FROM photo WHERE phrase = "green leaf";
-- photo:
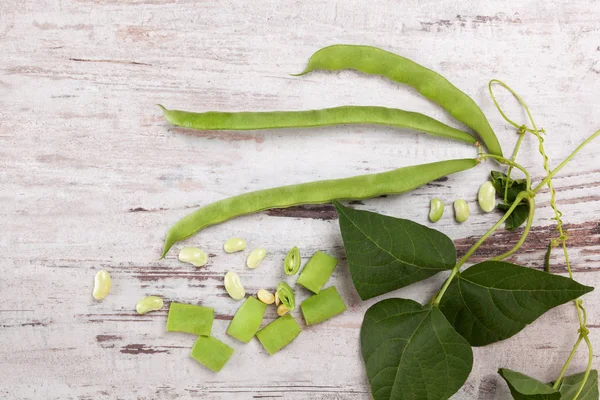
(517, 217)
(515, 186)
(523, 387)
(494, 300)
(386, 253)
(412, 352)
(570, 385)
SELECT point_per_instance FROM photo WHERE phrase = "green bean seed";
(286, 295)
(211, 352)
(305, 119)
(291, 264)
(234, 286)
(101, 285)
(247, 320)
(436, 210)
(189, 318)
(487, 196)
(317, 271)
(148, 303)
(430, 84)
(461, 210)
(234, 245)
(255, 257)
(194, 256)
(356, 188)
(278, 333)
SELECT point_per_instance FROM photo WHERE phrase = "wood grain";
(91, 177)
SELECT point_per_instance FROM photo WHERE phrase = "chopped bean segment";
(194, 256)
(317, 271)
(211, 352)
(291, 264)
(282, 310)
(234, 244)
(101, 285)
(286, 295)
(255, 257)
(265, 297)
(247, 319)
(320, 307)
(278, 333)
(149, 303)
(234, 286)
(189, 318)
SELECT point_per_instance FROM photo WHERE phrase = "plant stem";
(516, 247)
(566, 365)
(565, 161)
(513, 158)
(511, 163)
(469, 253)
(589, 365)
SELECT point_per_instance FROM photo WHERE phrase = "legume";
(286, 295)
(320, 307)
(211, 352)
(247, 320)
(234, 245)
(277, 301)
(461, 210)
(189, 318)
(148, 303)
(256, 257)
(487, 196)
(282, 310)
(359, 187)
(317, 271)
(233, 286)
(305, 119)
(265, 297)
(194, 256)
(101, 285)
(430, 84)
(436, 210)
(278, 333)
(291, 264)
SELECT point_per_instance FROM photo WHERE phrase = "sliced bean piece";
(278, 333)
(291, 264)
(211, 352)
(461, 210)
(317, 271)
(265, 296)
(487, 196)
(355, 188)
(234, 286)
(194, 256)
(286, 296)
(148, 303)
(246, 321)
(255, 257)
(234, 245)
(436, 210)
(239, 121)
(189, 318)
(320, 307)
(101, 285)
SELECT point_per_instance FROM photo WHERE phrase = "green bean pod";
(286, 295)
(430, 84)
(239, 121)
(355, 188)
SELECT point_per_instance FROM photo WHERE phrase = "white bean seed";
(194, 256)
(487, 196)
(461, 210)
(282, 310)
(148, 303)
(234, 286)
(101, 285)
(276, 299)
(255, 257)
(234, 244)
(265, 297)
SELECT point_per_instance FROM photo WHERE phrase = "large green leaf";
(523, 387)
(494, 300)
(570, 385)
(386, 253)
(412, 352)
(517, 217)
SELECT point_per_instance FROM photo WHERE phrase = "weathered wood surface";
(91, 177)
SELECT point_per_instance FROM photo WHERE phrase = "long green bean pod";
(355, 188)
(239, 121)
(430, 84)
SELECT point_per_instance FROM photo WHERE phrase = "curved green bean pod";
(430, 84)
(286, 295)
(355, 188)
(214, 120)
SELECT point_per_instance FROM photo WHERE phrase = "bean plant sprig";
(410, 350)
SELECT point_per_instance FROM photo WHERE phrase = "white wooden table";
(91, 177)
